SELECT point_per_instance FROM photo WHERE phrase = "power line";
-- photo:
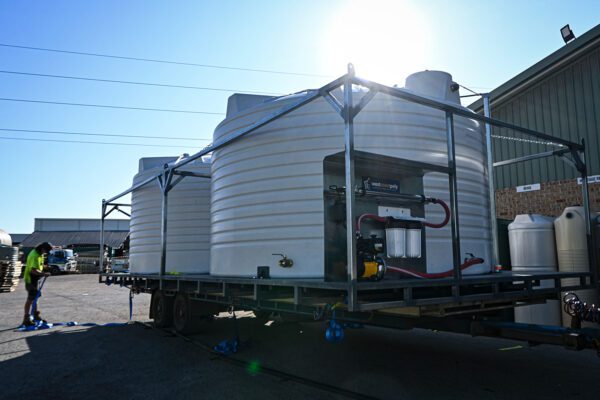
(109, 106)
(99, 134)
(81, 78)
(86, 142)
(160, 61)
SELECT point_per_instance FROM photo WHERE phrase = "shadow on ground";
(131, 362)
(135, 362)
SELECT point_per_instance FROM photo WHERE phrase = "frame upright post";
(453, 188)
(491, 185)
(101, 255)
(588, 220)
(165, 184)
(350, 196)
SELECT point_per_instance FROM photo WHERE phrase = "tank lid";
(531, 221)
(147, 163)
(435, 84)
(238, 102)
(572, 212)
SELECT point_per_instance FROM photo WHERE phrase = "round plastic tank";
(533, 249)
(267, 194)
(571, 246)
(5, 239)
(188, 223)
(531, 241)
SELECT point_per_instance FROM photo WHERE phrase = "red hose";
(428, 224)
(369, 216)
(469, 263)
(446, 219)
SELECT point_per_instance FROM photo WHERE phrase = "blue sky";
(483, 44)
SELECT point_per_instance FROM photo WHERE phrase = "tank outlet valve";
(284, 262)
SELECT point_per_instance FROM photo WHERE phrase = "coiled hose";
(580, 309)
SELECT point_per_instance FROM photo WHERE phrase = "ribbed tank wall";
(188, 233)
(267, 189)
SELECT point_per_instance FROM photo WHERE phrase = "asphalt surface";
(137, 362)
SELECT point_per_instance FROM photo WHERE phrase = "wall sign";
(591, 179)
(528, 188)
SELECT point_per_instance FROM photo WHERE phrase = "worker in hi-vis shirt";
(34, 270)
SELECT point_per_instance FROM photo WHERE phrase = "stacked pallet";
(9, 276)
(10, 268)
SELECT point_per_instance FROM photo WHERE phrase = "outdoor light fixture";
(567, 33)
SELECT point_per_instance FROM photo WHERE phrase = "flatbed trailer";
(459, 303)
(180, 300)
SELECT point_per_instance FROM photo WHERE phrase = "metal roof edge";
(81, 219)
(542, 67)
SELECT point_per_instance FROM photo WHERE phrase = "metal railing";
(171, 176)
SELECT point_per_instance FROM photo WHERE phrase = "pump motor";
(369, 264)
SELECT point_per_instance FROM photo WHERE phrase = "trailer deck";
(411, 297)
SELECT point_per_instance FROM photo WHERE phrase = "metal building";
(559, 95)
(75, 231)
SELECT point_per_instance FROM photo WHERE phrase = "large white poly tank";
(267, 188)
(571, 246)
(188, 223)
(532, 249)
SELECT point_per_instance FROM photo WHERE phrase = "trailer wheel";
(183, 315)
(162, 309)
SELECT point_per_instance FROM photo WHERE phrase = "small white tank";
(267, 188)
(571, 246)
(188, 224)
(5, 239)
(532, 249)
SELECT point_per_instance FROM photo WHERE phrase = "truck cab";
(61, 260)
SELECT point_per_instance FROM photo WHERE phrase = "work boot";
(27, 321)
(38, 317)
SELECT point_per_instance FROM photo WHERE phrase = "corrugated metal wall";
(565, 104)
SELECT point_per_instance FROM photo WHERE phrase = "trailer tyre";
(162, 309)
(183, 315)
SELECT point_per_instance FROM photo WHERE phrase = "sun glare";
(385, 40)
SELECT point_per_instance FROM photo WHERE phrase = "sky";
(304, 44)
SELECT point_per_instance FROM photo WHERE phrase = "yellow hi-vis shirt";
(34, 261)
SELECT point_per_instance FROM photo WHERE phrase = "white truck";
(61, 261)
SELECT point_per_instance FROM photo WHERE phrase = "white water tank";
(188, 233)
(267, 193)
(532, 249)
(571, 246)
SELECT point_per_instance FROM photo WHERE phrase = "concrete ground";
(138, 362)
